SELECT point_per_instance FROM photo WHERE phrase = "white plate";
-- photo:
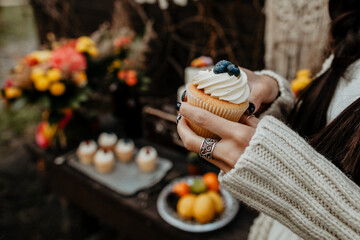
(231, 207)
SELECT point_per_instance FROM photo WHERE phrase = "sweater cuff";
(283, 104)
(281, 175)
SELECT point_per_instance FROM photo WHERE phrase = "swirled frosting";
(223, 86)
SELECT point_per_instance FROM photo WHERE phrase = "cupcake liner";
(124, 156)
(104, 167)
(86, 159)
(229, 114)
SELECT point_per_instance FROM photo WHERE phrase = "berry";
(219, 69)
(223, 62)
(221, 66)
(233, 70)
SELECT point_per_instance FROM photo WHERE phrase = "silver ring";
(207, 148)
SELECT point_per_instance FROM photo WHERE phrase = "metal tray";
(126, 178)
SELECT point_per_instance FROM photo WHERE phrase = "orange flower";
(80, 78)
(12, 92)
(31, 61)
(132, 73)
(122, 74)
(131, 78)
(57, 88)
(131, 81)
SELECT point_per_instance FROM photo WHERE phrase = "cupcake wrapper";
(229, 114)
(86, 159)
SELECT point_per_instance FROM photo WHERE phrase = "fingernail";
(251, 108)
(178, 118)
(178, 105)
(183, 95)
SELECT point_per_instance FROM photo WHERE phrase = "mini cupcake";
(107, 141)
(104, 161)
(147, 159)
(124, 150)
(86, 151)
(222, 90)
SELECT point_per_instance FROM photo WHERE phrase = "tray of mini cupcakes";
(118, 164)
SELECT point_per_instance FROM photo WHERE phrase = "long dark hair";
(339, 141)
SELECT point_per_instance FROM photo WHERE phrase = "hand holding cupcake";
(222, 90)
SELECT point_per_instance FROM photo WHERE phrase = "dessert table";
(135, 215)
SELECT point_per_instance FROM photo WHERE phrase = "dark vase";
(127, 109)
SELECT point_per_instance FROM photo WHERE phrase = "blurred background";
(135, 59)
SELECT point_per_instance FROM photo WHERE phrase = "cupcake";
(124, 150)
(107, 141)
(223, 90)
(86, 152)
(147, 159)
(104, 161)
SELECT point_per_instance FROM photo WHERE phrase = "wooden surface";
(136, 216)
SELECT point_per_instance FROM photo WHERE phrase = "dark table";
(136, 216)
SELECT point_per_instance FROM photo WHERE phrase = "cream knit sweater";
(284, 178)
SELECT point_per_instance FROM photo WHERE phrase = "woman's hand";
(263, 90)
(235, 136)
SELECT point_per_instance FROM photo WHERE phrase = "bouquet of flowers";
(123, 57)
(61, 78)
(57, 81)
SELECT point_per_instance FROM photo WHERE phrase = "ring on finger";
(207, 148)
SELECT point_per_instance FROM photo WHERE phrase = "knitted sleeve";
(282, 106)
(281, 175)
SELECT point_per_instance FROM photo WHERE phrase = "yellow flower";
(81, 47)
(80, 79)
(53, 74)
(86, 39)
(12, 92)
(86, 44)
(57, 88)
(37, 73)
(116, 64)
(41, 84)
(41, 55)
(93, 52)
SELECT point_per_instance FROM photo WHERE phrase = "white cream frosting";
(87, 147)
(147, 154)
(125, 145)
(223, 86)
(107, 139)
(102, 156)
